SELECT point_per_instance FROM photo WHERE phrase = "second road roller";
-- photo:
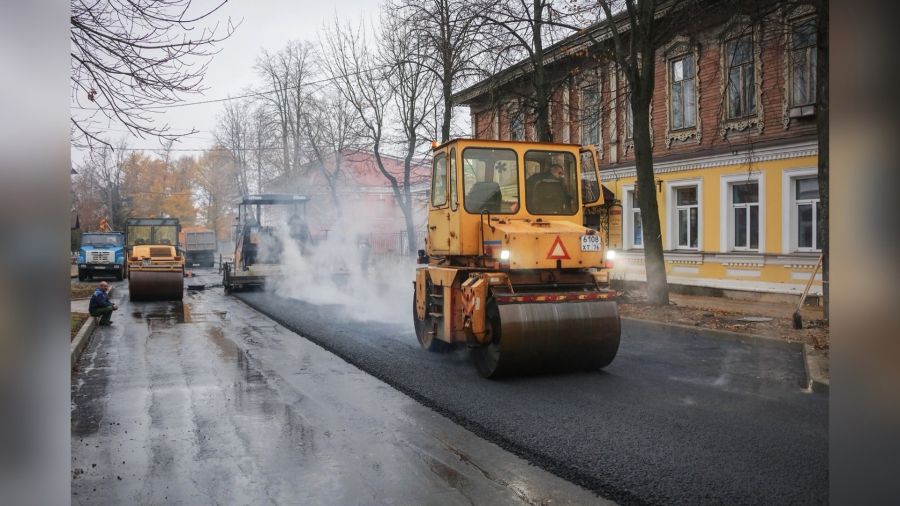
(155, 264)
(511, 272)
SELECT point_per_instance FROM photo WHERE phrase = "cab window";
(551, 184)
(491, 180)
(590, 187)
(439, 181)
(454, 198)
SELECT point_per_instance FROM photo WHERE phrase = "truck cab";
(101, 253)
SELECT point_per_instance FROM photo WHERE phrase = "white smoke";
(343, 269)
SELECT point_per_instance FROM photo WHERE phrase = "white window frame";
(672, 213)
(628, 220)
(726, 216)
(670, 63)
(584, 113)
(789, 239)
(810, 53)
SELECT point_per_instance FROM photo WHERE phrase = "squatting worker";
(100, 304)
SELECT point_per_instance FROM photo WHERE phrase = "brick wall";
(708, 84)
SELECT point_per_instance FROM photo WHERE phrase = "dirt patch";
(77, 320)
(814, 332)
(81, 290)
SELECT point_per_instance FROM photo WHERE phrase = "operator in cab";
(547, 193)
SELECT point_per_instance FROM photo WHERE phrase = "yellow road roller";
(155, 265)
(510, 271)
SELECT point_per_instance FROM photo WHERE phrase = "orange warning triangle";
(558, 250)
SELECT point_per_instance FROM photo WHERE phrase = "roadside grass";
(80, 290)
(77, 320)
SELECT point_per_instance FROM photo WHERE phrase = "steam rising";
(345, 269)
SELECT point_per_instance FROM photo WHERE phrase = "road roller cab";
(512, 271)
(155, 264)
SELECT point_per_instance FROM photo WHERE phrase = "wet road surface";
(678, 418)
(210, 402)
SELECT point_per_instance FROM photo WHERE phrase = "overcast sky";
(265, 24)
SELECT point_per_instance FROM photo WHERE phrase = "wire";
(246, 95)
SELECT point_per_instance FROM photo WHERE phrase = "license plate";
(100, 267)
(590, 243)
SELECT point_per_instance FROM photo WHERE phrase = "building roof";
(358, 169)
(569, 46)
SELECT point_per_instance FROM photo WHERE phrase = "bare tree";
(233, 133)
(449, 30)
(391, 84)
(517, 29)
(287, 72)
(331, 126)
(414, 100)
(109, 169)
(129, 56)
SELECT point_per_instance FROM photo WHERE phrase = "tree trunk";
(822, 127)
(654, 263)
(448, 108)
(542, 120)
(411, 245)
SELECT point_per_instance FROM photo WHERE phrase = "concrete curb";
(82, 338)
(816, 364)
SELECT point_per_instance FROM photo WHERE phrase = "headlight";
(610, 254)
(504, 254)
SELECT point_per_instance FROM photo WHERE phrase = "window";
(803, 63)
(439, 181)
(808, 209)
(745, 216)
(550, 183)
(516, 118)
(683, 99)
(491, 180)
(454, 198)
(590, 115)
(741, 89)
(687, 217)
(634, 231)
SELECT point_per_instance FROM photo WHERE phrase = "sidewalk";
(767, 319)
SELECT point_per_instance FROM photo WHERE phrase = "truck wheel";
(81, 275)
(121, 274)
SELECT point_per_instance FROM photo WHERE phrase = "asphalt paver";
(680, 417)
(207, 401)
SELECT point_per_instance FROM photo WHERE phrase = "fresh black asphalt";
(680, 417)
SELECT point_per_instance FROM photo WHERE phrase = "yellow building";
(741, 221)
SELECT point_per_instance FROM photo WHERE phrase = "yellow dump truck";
(511, 271)
(155, 263)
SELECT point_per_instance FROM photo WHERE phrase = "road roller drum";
(155, 285)
(548, 337)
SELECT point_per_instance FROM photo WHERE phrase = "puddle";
(173, 312)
